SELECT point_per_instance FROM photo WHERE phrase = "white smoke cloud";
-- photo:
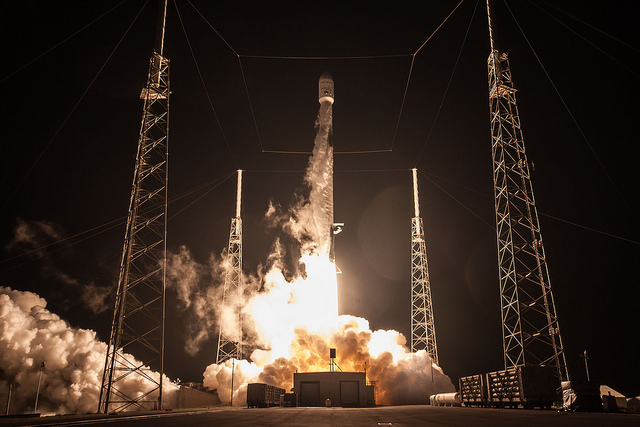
(70, 383)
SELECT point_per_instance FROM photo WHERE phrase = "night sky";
(68, 156)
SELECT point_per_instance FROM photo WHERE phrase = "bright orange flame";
(310, 303)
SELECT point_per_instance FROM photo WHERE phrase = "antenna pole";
(423, 333)
(162, 19)
(490, 24)
(230, 336)
(416, 205)
(239, 193)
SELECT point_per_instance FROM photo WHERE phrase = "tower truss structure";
(136, 344)
(423, 333)
(230, 336)
(530, 331)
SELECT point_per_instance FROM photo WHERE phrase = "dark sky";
(68, 156)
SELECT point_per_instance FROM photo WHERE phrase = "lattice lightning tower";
(230, 336)
(423, 333)
(530, 331)
(137, 329)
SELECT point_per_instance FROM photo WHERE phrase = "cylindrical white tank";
(445, 399)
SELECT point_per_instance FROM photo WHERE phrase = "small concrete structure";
(192, 397)
(347, 389)
(612, 400)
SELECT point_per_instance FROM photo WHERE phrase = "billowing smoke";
(39, 240)
(187, 277)
(31, 335)
(401, 377)
(293, 320)
(199, 289)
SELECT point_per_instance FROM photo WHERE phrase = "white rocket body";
(325, 88)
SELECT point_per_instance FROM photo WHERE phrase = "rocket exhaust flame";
(295, 322)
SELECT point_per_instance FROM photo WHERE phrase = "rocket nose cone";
(326, 76)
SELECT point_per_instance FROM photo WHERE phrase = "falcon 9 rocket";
(320, 174)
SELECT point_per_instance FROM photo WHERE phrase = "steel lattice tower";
(423, 332)
(137, 330)
(230, 336)
(530, 331)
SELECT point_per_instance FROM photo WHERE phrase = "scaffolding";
(530, 331)
(423, 333)
(230, 336)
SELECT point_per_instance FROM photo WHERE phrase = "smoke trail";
(29, 335)
(319, 177)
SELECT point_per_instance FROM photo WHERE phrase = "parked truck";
(524, 386)
(261, 395)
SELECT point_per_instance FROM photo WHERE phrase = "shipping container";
(263, 395)
(521, 386)
(473, 391)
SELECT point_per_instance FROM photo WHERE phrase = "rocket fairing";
(325, 88)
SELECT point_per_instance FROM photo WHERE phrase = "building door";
(349, 393)
(309, 393)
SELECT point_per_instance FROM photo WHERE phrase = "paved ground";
(380, 416)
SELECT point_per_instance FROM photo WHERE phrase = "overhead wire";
(575, 224)
(222, 180)
(593, 28)
(109, 225)
(575, 122)
(604, 233)
(105, 227)
(465, 207)
(404, 96)
(446, 91)
(587, 41)
(8, 76)
(324, 58)
(64, 122)
(213, 28)
(413, 58)
(246, 87)
(253, 116)
(244, 80)
(204, 86)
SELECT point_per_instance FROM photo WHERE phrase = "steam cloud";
(29, 335)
